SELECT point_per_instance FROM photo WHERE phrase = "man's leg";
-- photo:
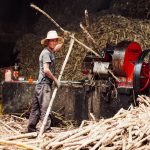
(44, 105)
(35, 110)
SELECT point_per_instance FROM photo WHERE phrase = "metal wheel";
(141, 76)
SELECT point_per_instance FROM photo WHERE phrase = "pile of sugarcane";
(128, 129)
(111, 28)
(132, 8)
(104, 28)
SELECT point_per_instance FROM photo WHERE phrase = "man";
(46, 77)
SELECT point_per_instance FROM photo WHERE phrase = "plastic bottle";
(15, 72)
(8, 75)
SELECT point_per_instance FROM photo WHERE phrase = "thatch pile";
(115, 28)
(132, 8)
(105, 27)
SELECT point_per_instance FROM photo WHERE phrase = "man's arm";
(49, 74)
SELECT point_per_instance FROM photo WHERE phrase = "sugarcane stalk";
(27, 135)
(87, 24)
(82, 132)
(86, 47)
(8, 127)
(88, 35)
(49, 17)
(20, 144)
(67, 33)
(99, 142)
(89, 141)
(60, 137)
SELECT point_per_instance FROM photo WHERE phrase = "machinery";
(123, 68)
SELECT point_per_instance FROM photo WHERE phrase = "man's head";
(52, 43)
(51, 40)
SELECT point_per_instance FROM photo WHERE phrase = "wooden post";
(55, 90)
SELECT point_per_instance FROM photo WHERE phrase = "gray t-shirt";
(46, 56)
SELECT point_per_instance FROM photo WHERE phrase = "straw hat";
(52, 35)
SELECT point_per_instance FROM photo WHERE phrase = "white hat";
(50, 35)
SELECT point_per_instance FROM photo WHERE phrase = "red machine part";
(141, 78)
(145, 76)
(124, 59)
(132, 53)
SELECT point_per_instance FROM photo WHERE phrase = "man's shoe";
(24, 131)
(27, 131)
(48, 130)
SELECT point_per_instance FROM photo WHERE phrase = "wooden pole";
(20, 136)
(85, 46)
(88, 35)
(20, 144)
(67, 33)
(86, 19)
(48, 16)
(55, 90)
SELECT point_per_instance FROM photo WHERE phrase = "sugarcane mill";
(124, 68)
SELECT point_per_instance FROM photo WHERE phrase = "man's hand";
(58, 47)
(57, 83)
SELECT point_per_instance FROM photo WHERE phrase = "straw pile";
(132, 8)
(105, 27)
(128, 129)
(112, 28)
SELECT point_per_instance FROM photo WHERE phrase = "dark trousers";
(39, 107)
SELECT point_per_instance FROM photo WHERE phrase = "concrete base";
(74, 101)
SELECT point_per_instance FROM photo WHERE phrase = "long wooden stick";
(65, 31)
(86, 47)
(55, 90)
(20, 136)
(8, 127)
(48, 16)
(89, 36)
(20, 144)
(86, 19)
